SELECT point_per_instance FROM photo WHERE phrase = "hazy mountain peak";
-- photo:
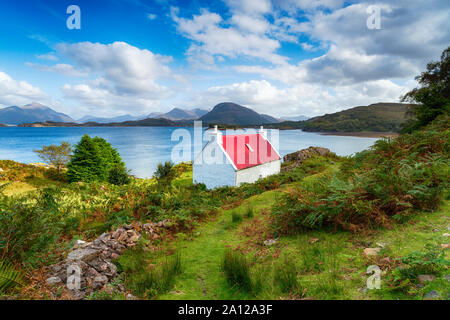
(34, 106)
(33, 112)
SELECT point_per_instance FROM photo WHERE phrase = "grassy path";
(202, 278)
(332, 268)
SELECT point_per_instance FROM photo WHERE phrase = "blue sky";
(282, 57)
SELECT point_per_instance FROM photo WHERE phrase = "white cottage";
(230, 160)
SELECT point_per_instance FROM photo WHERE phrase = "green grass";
(285, 275)
(312, 264)
(237, 270)
(334, 267)
(148, 279)
(236, 217)
(184, 180)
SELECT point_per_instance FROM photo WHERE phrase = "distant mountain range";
(149, 122)
(126, 117)
(174, 114)
(378, 117)
(33, 112)
(295, 118)
(233, 114)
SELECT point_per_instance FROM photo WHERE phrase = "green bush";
(93, 159)
(387, 183)
(118, 175)
(165, 172)
(30, 226)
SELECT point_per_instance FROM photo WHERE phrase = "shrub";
(93, 159)
(29, 226)
(389, 182)
(429, 261)
(237, 270)
(118, 175)
(165, 172)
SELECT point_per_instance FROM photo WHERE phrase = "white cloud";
(295, 5)
(47, 56)
(126, 77)
(250, 7)
(62, 68)
(412, 34)
(212, 36)
(152, 16)
(307, 99)
(13, 92)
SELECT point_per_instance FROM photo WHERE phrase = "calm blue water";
(142, 148)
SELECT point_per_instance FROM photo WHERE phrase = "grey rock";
(131, 297)
(83, 255)
(55, 268)
(54, 280)
(270, 242)
(431, 295)
(447, 277)
(101, 279)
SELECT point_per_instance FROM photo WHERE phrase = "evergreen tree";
(86, 163)
(94, 159)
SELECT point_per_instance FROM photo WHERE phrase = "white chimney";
(217, 134)
(262, 132)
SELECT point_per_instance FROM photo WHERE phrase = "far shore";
(363, 134)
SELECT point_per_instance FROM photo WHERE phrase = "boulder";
(301, 155)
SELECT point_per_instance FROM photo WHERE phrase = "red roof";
(248, 150)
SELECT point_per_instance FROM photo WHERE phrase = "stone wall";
(90, 265)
